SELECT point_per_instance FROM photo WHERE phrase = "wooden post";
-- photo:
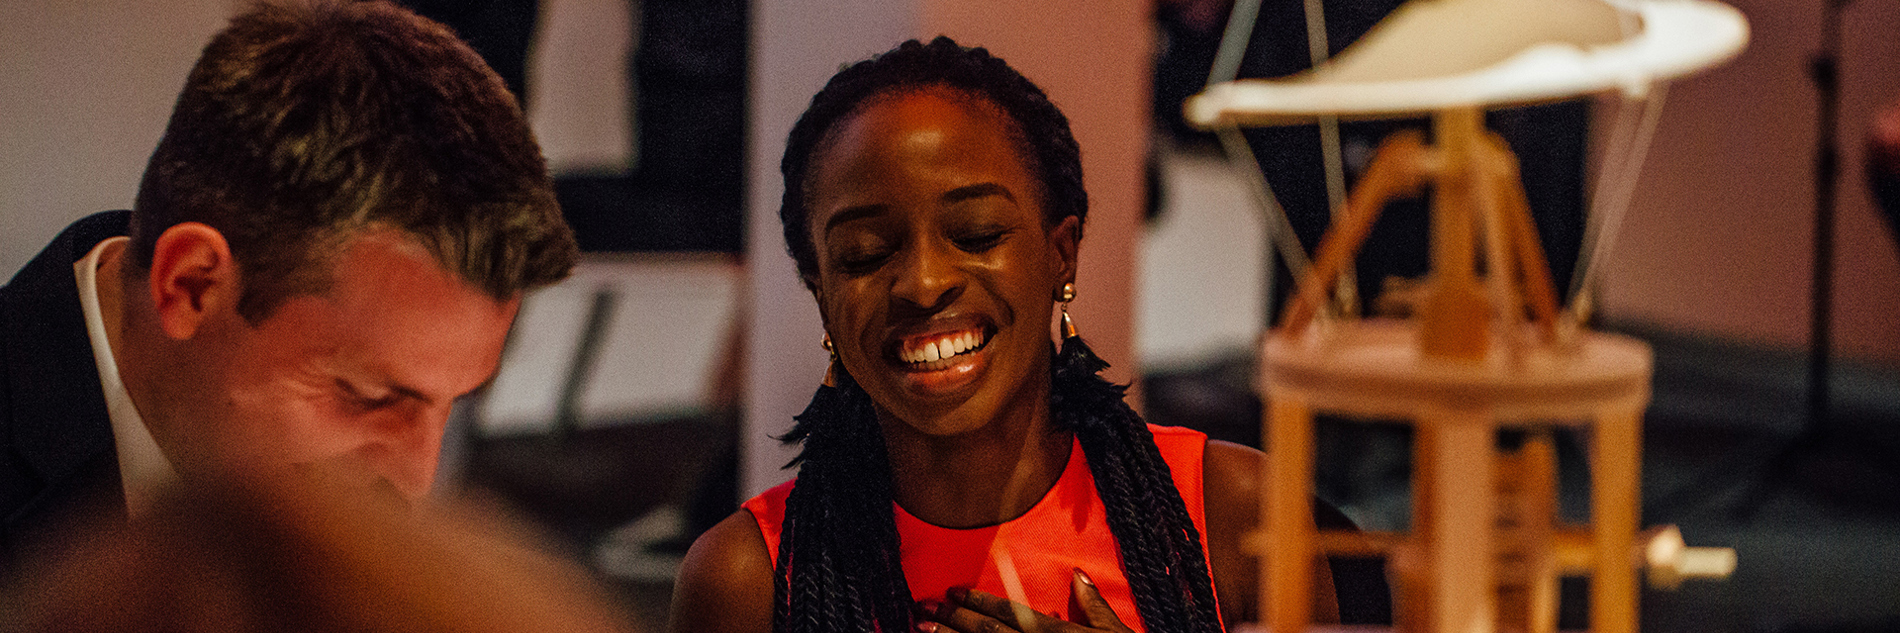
(1615, 497)
(1287, 587)
(1455, 459)
(1455, 320)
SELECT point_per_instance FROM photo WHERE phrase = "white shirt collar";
(143, 468)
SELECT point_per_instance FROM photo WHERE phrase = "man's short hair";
(307, 122)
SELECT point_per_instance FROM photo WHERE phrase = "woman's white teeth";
(934, 351)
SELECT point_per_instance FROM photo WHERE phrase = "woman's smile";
(942, 363)
(937, 351)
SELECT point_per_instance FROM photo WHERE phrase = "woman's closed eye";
(862, 258)
(979, 241)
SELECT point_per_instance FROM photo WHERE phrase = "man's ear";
(192, 278)
(1066, 237)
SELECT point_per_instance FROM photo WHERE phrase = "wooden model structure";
(1487, 348)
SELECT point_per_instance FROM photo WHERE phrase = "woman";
(934, 205)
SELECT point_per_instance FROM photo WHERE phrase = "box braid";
(838, 566)
(1160, 547)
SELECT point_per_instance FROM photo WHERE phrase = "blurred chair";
(616, 400)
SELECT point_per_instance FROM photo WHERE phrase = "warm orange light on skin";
(928, 223)
(361, 376)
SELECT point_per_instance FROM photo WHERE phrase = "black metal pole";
(1824, 69)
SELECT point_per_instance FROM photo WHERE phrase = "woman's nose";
(928, 277)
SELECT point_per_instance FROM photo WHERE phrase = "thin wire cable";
(1318, 49)
(1616, 204)
(1233, 42)
(1622, 131)
(1280, 234)
(1616, 168)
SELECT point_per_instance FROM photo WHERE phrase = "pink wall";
(1094, 60)
(1718, 237)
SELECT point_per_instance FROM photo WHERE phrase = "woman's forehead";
(914, 140)
(919, 118)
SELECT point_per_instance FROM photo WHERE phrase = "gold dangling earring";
(1065, 295)
(831, 369)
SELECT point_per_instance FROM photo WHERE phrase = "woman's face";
(936, 272)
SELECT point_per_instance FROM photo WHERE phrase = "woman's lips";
(941, 348)
(943, 361)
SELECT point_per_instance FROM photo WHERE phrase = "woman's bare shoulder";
(725, 583)
(1232, 484)
(1230, 478)
(1231, 472)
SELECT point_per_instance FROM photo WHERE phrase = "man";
(328, 247)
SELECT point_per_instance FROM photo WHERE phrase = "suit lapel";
(56, 429)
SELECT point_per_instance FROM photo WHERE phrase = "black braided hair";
(1160, 548)
(838, 566)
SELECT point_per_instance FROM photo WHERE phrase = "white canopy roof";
(1433, 55)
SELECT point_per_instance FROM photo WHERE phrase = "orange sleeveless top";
(1066, 529)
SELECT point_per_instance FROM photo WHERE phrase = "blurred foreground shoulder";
(725, 584)
(1230, 485)
(1231, 471)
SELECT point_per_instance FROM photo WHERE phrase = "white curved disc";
(1434, 55)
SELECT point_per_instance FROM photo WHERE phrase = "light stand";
(1824, 69)
(1817, 428)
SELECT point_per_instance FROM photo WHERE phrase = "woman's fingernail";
(1084, 577)
(926, 626)
(958, 593)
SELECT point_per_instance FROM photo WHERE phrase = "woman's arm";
(725, 583)
(1231, 486)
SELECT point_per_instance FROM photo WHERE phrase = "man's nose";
(406, 453)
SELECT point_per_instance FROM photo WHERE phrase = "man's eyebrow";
(979, 190)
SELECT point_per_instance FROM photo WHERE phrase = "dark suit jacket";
(57, 457)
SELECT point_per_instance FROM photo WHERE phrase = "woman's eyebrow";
(979, 190)
(848, 214)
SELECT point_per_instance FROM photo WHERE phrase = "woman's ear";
(817, 296)
(836, 366)
(811, 285)
(1066, 237)
(193, 277)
